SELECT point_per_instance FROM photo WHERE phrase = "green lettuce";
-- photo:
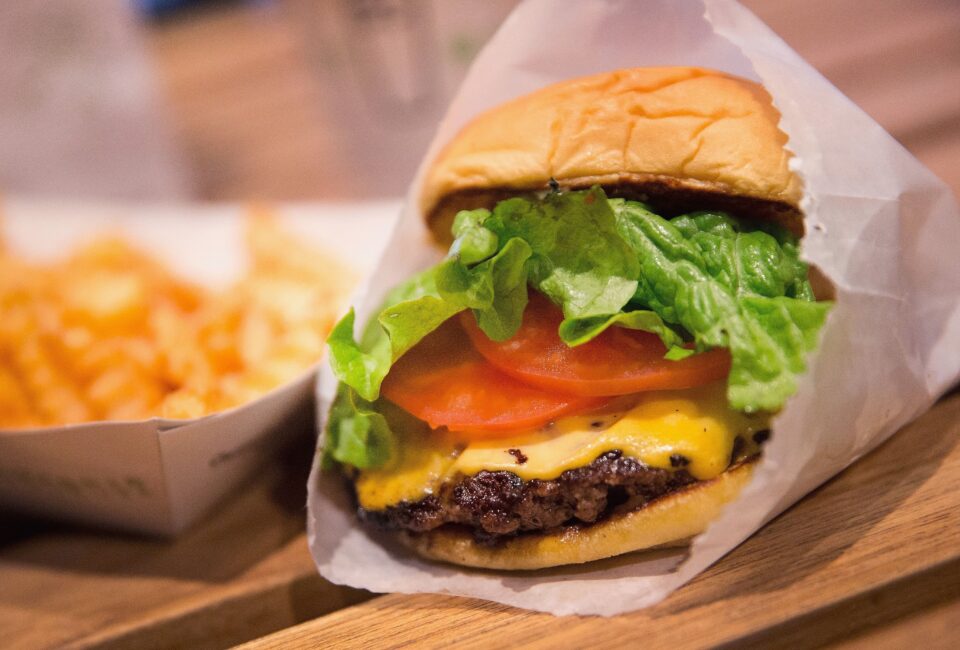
(578, 258)
(565, 245)
(360, 433)
(357, 432)
(577, 331)
(495, 289)
(706, 279)
(410, 312)
(745, 290)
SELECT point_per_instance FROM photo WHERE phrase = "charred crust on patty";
(679, 460)
(520, 457)
(500, 505)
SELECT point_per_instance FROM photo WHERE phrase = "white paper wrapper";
(159, 476)
(879, 225)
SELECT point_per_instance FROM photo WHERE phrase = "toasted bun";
(683, 138)
(668, 521)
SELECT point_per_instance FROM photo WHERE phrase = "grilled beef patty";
(497, 505)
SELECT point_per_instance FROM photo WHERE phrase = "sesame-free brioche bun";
(682, 138)
(669, 521)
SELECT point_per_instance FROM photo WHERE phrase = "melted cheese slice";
(696, 424)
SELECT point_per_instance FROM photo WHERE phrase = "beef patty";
(496, 505)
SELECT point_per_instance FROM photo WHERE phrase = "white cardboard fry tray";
(159, 476)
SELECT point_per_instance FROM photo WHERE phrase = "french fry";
(183, 405)
(110, 333)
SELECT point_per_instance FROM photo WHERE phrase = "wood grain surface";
(870, 560)
(241, 574)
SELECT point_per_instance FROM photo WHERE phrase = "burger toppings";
(445, 382)
(618, 361)
(649, 428)
(518, 454)
(678, 460)
(498, 504)
(641, 303)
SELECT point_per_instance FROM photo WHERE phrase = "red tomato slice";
(618, 362)
(444, 381)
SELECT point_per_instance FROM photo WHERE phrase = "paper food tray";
(159, 476)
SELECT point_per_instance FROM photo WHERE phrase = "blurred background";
(337, 99)
(300, 100)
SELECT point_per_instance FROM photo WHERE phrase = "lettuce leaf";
(410, 312)
(730, 288)
(578, 259)
(495, 289)
(472, 241)
(704, 277)
(577, 331)
(357, 433)
(361, 433)
(764, 260)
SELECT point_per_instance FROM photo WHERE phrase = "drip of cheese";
(695, 424)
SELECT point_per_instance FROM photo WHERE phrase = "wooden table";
(871, 559)
(243, 573)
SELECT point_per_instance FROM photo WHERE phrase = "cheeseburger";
(592, 368)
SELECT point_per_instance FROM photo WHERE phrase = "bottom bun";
(668, 521)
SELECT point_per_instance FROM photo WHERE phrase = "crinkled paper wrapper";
(879, 225)
(159, 476)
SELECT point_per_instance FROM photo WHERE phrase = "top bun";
(681, 138)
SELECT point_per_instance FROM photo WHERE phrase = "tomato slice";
(444, 381)
(617, 362)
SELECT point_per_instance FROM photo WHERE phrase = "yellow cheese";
(696, 424)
